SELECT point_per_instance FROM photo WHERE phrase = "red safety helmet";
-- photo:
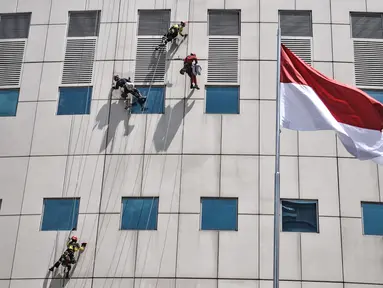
(74, 238)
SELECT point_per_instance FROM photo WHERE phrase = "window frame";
(219, 199)
(138, 34)
(299, 200)
(140, 86)
(367, 90)
(89, 98)
(17, 101)
(98, 22)
(150, 198)
(223, 86)
(239, 11)
(29, 26)
(362, 218)
(364, 14)
(74, 199)
(296, 12)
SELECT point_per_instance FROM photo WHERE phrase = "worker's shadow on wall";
(154, 67)
(170, 122)
(117, 115)
(157, 57)
(174, 48)
(57, 280)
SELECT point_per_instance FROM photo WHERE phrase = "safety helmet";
(74, 238)
(116, 77)
(182, 24)
(192, 54)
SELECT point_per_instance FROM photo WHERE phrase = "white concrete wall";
(206, 155)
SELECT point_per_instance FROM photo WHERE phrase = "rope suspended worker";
(172, 34)
(191, 69)
(129, 89)
(68, 257)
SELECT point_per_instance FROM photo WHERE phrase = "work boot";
(51, 269)
(196, 86)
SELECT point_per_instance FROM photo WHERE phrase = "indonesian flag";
(311, 101)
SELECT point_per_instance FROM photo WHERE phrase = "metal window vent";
(153, 22)
(150, 64)
(367, 25)
(14, 25)
(368, 57)
(78, 63)
(84, 23)
(224, 22)
(223, 60)
(296, 23)
(300, 47)
(11, 61)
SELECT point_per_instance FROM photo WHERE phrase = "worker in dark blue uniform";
(129, 88)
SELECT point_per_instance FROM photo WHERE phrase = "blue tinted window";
(299, 216)
(60, 214)
(222, 100)
(74, 100)
(372, 218)
(376, 94)
(219, 214)
(155, 97)
(139, 213)
(8, 102)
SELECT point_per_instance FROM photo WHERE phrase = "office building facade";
(181, 195)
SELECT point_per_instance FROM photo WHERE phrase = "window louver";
(224, 22)
(300, 47)
(14, 25)
(150, 64)
(153, 22)
(11, 59)
(296, 23)
(78, 64)
(368, 56)
(84, 23)
(367, 25)
(223, 60)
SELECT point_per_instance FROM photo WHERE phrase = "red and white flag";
(311, 101)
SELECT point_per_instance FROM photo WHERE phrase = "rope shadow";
(170, 122)
(153, 71)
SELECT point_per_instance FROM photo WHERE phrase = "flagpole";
(277, 175)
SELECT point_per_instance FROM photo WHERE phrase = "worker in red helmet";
(68, 258)
(172, 34)
(188, 68)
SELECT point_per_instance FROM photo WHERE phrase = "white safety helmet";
(129, 85)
